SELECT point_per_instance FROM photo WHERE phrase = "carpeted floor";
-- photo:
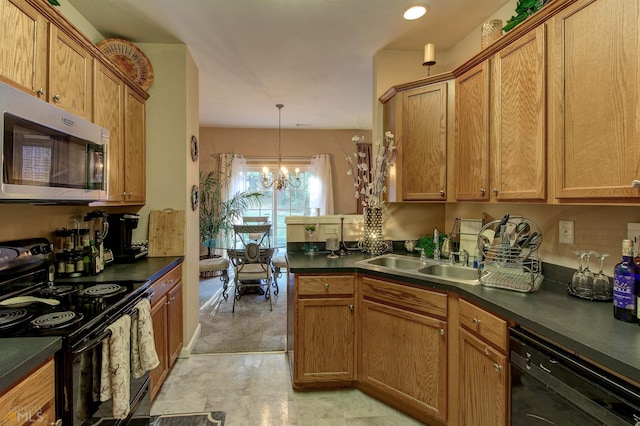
(214, 418)
(252, 328)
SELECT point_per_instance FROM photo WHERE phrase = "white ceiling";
(313, 56)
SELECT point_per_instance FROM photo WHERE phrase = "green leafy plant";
(524, 9)
(217, 215)
(54, 2)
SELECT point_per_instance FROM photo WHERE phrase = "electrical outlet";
(566, 232)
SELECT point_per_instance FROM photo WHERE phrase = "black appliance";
(119, 238)
(550, 386)
(31, 304)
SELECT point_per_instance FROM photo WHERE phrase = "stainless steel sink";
(452, 272)
(395, 263)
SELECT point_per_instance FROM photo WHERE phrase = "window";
(279, 204)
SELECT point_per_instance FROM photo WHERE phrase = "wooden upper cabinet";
(471, 158)
(134, 148)
(70, 74)
(423, 143)
(595, 99)
(23, 51)
(108, 106)
(519, 126)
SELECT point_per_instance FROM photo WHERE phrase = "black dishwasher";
(550, 386)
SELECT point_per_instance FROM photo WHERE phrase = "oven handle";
(93, 342)
(105, 334)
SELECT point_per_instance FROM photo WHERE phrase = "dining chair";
(251, 260)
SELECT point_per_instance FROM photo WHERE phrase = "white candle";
(429, 53)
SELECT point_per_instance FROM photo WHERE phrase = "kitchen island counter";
(581, 326)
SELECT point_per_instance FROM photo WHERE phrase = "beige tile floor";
(255, 390)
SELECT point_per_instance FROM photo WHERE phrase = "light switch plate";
(566, 232)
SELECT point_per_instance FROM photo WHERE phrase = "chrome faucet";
(463, 254)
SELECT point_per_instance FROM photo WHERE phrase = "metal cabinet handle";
(57, 423)
(441, 331)
(483, 191)
(442, 192)
(476, 321)
(41, 92)
(497, 367)
(496, 190)
(351, 308)
(57, 97)
(326, 286)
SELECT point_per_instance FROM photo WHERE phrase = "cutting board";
(166, 233)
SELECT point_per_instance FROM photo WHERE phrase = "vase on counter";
(372, 231)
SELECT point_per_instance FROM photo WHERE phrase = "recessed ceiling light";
(414, 12)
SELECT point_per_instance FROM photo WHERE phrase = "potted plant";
(218, 215)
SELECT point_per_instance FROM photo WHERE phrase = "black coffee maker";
(121, 226)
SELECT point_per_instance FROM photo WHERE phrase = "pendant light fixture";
(281, 177)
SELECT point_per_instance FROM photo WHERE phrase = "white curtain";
(321, 186)
(234, 166)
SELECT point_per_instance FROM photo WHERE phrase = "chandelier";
(281, 177)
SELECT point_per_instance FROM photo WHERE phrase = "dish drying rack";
(509, 252)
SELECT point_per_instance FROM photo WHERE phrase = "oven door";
(83, 406)
(551, 387)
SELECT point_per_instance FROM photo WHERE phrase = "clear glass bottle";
(625, 285)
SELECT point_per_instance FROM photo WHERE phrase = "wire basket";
(509, 250)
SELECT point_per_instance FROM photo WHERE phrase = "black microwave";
(48, 154)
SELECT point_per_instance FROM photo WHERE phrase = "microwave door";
(95, 169)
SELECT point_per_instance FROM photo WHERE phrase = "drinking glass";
(332, 245)
(577, 275)
(601, 283)
(586, 279)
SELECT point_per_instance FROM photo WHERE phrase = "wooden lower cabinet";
(32, 400)
(483, 383)
(484, 368)
(324, 338)
(166, 315)
(404, 355)
(403, 347)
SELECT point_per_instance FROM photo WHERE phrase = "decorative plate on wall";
(194, 148)
(131, 60)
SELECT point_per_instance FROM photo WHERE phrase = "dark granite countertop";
(20, 355)
(582, 326)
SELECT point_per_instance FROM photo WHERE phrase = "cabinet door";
(70, 74)
(324, 340)
(483, 383)
(174, 325)
(134, 148)
(159, 318)
(404, 355)
(108, 107)
(596, 99)
(471, 161)
(520, 120)
(23, 51)
(424, 143)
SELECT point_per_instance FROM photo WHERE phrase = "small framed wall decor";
(194, 148)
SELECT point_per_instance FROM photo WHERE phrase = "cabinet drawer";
(484, 324)
(163, 284)
(416, 299)
(317, 285)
